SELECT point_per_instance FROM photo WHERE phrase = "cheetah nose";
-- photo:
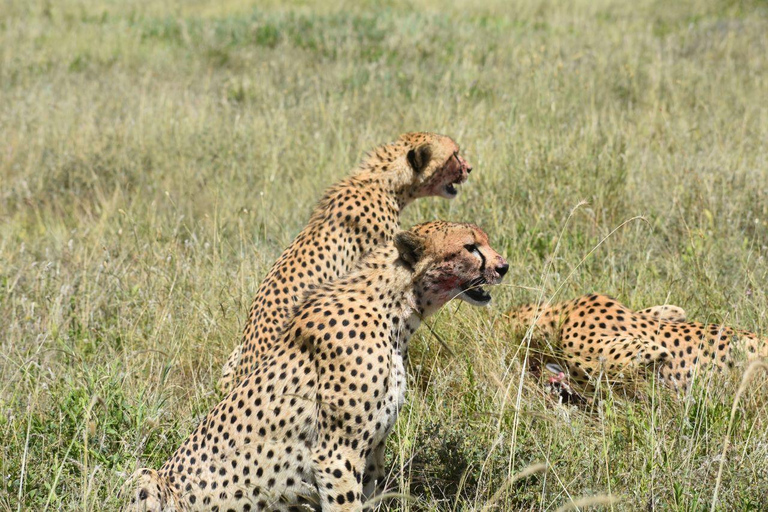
(502, 269)
(469, 169)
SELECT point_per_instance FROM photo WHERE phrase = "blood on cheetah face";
(457, 262)
(437, 165)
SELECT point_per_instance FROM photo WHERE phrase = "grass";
(155, 158)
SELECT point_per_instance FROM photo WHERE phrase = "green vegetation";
(155, 158)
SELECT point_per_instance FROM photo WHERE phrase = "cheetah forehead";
(392, 155)
(413, 139)
(450, 235)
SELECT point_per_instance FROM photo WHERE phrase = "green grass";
(156, 157)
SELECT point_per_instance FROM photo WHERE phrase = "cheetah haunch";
(354, 216)
(596, 337)
(308, 425)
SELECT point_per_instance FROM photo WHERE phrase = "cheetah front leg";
(373, 479)
(339, 473)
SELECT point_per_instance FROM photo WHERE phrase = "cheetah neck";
(405, 321)
(399, 303)
(394, 180)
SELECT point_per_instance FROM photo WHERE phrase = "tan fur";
(354, 216)
(308, 425)
(595, 336)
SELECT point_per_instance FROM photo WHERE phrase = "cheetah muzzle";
(464, 170)
(473, 291)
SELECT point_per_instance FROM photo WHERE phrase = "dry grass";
(156, 157)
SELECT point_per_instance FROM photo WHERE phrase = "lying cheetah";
(309, 423)
(354, 216)
(597, 337)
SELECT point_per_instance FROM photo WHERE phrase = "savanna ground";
(156, 157)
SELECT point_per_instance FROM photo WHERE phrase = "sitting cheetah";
(597, 337)
(309, 423)
(354, 216)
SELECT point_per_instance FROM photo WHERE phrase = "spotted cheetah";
(307, 426)
(354, 216)
(597, 337)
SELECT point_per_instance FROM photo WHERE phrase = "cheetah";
(307, 426)
(354, 216)
(597, 337)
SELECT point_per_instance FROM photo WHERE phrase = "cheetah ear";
(418, 158)
(410, 247)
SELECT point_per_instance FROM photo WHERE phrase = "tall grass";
(156, 157)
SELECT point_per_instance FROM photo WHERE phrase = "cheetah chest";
(393, 397)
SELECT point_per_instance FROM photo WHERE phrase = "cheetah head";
(436, 164)
(450, 261)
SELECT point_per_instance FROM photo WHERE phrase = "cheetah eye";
(472, 248)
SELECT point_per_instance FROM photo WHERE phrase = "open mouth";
(473, 292)
(451, 190)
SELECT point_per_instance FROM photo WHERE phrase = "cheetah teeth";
(451, 187)
(473, 292)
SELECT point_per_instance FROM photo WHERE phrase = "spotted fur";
(596, 337)
(307, 426)
(354, 216)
